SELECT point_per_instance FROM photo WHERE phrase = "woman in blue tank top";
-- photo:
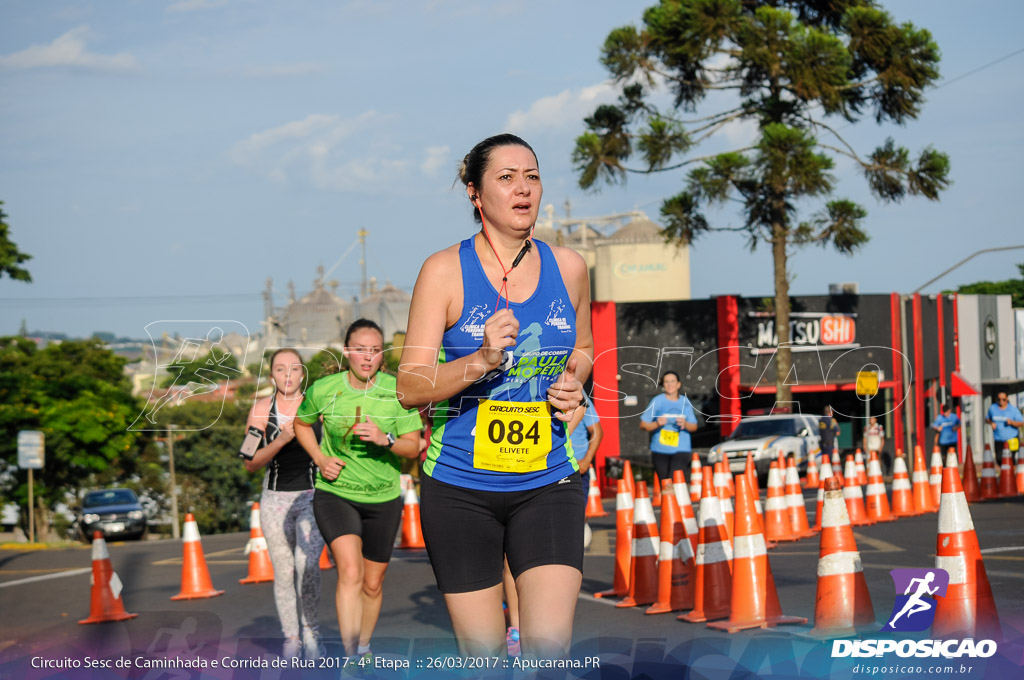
(499, 343)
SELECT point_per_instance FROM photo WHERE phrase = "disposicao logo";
(914, 609)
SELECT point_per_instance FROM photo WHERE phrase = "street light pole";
(964, 261)
(175, 530)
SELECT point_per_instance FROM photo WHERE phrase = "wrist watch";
(390, 438)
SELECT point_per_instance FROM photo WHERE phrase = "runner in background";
(286, 507)
(874, 440)
(358, 501)
(499, 340)
(945, 426)
(670, 419)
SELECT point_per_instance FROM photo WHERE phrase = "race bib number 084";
(512, 436)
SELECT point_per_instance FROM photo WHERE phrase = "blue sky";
(160, 160)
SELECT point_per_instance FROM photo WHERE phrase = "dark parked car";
(115, 512)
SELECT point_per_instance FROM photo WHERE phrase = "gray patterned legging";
(295, 545)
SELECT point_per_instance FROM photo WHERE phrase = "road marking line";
(877, 544)
(70, 572)
(591, 598)
(1008, 548)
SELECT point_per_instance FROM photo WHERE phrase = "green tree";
(799, 70)
(76, 393)
(10, 257)
(1012, 287)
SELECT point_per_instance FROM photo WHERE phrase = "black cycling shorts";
(667, 463)
(468, 532)
(376, 523)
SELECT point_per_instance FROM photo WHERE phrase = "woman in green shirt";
(358, 501)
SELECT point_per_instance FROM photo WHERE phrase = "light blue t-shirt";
(999, 416)
(663, 437)
(946, 425)
(580, 437)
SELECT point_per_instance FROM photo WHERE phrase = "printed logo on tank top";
(474, 324)
(555, 317)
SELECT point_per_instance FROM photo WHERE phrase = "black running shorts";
(376, 523)
(468, 531)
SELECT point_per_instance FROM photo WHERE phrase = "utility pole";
(175, 529)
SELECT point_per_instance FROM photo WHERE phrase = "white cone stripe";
(679, 551)
(709, 510)
(682, 496)
(989, 472)
(876, 489)
(850, 471)
(954, 517)
(691, 525)
(934, 480)
(840, 563)
(792, 477)
(795, 500)
(899, 466)
(834, 512)
(955, 566)
(874, 468)
(254, 519)
(191, 533)
(99, 550)
(412, 499)
(901, 484)
(623, 501)
(594, 491)
(713, 553)
(115, 585)
(852, 492)
(826, 472)
(645, 547)
(726, 505)
(749, 546)
(920, 476)
(757, 506)
(256, 544)
(821, 495)
(643, 512)
(775, 503)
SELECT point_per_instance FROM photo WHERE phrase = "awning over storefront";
(959, 387)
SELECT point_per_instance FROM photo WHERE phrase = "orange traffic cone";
(811, 478)
(656, 495)
(676, 561)
(695, 478)
(989, 477)
(623, 540)
(754, 599)
(594, 506)
(877, 503)
(972, 490)
(795, 508)
(776, 513)
(643, 570)
(821, 503)
(902, 495)
(326, 560)
(935, 476)
(858, 459)
(682, 494)
(837, 467)
(195, 577)
(627, 474)
(968, 609)
(854, 496)
(721, 477)
(1007, 486)
(920, 483)
(412, 533)
(713, 584)
(842, 600)
(105, 603)
(261, 569)
(1020, 471)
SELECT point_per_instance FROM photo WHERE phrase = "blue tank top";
(498, 434)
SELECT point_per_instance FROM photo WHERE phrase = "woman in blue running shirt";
(498, 343)
(670, 420)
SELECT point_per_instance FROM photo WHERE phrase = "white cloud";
(304, 68)
(68, 50)
(327, 151)
(195, 5)
(565, 109)
(437, 158)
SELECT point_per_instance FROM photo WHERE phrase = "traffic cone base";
(594, 506)
(412, 533)
(643, 570)
(261, 570)
(623, 540)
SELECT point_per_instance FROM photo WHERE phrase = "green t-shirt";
(371, 472)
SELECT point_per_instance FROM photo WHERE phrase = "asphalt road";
(44, 593)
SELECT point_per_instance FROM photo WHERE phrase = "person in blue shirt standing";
(1005, 419)
(670, 420)
(945, 427)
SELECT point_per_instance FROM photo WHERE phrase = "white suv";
(766, 437)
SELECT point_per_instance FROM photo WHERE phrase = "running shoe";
(360, 666)
(512, 642)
